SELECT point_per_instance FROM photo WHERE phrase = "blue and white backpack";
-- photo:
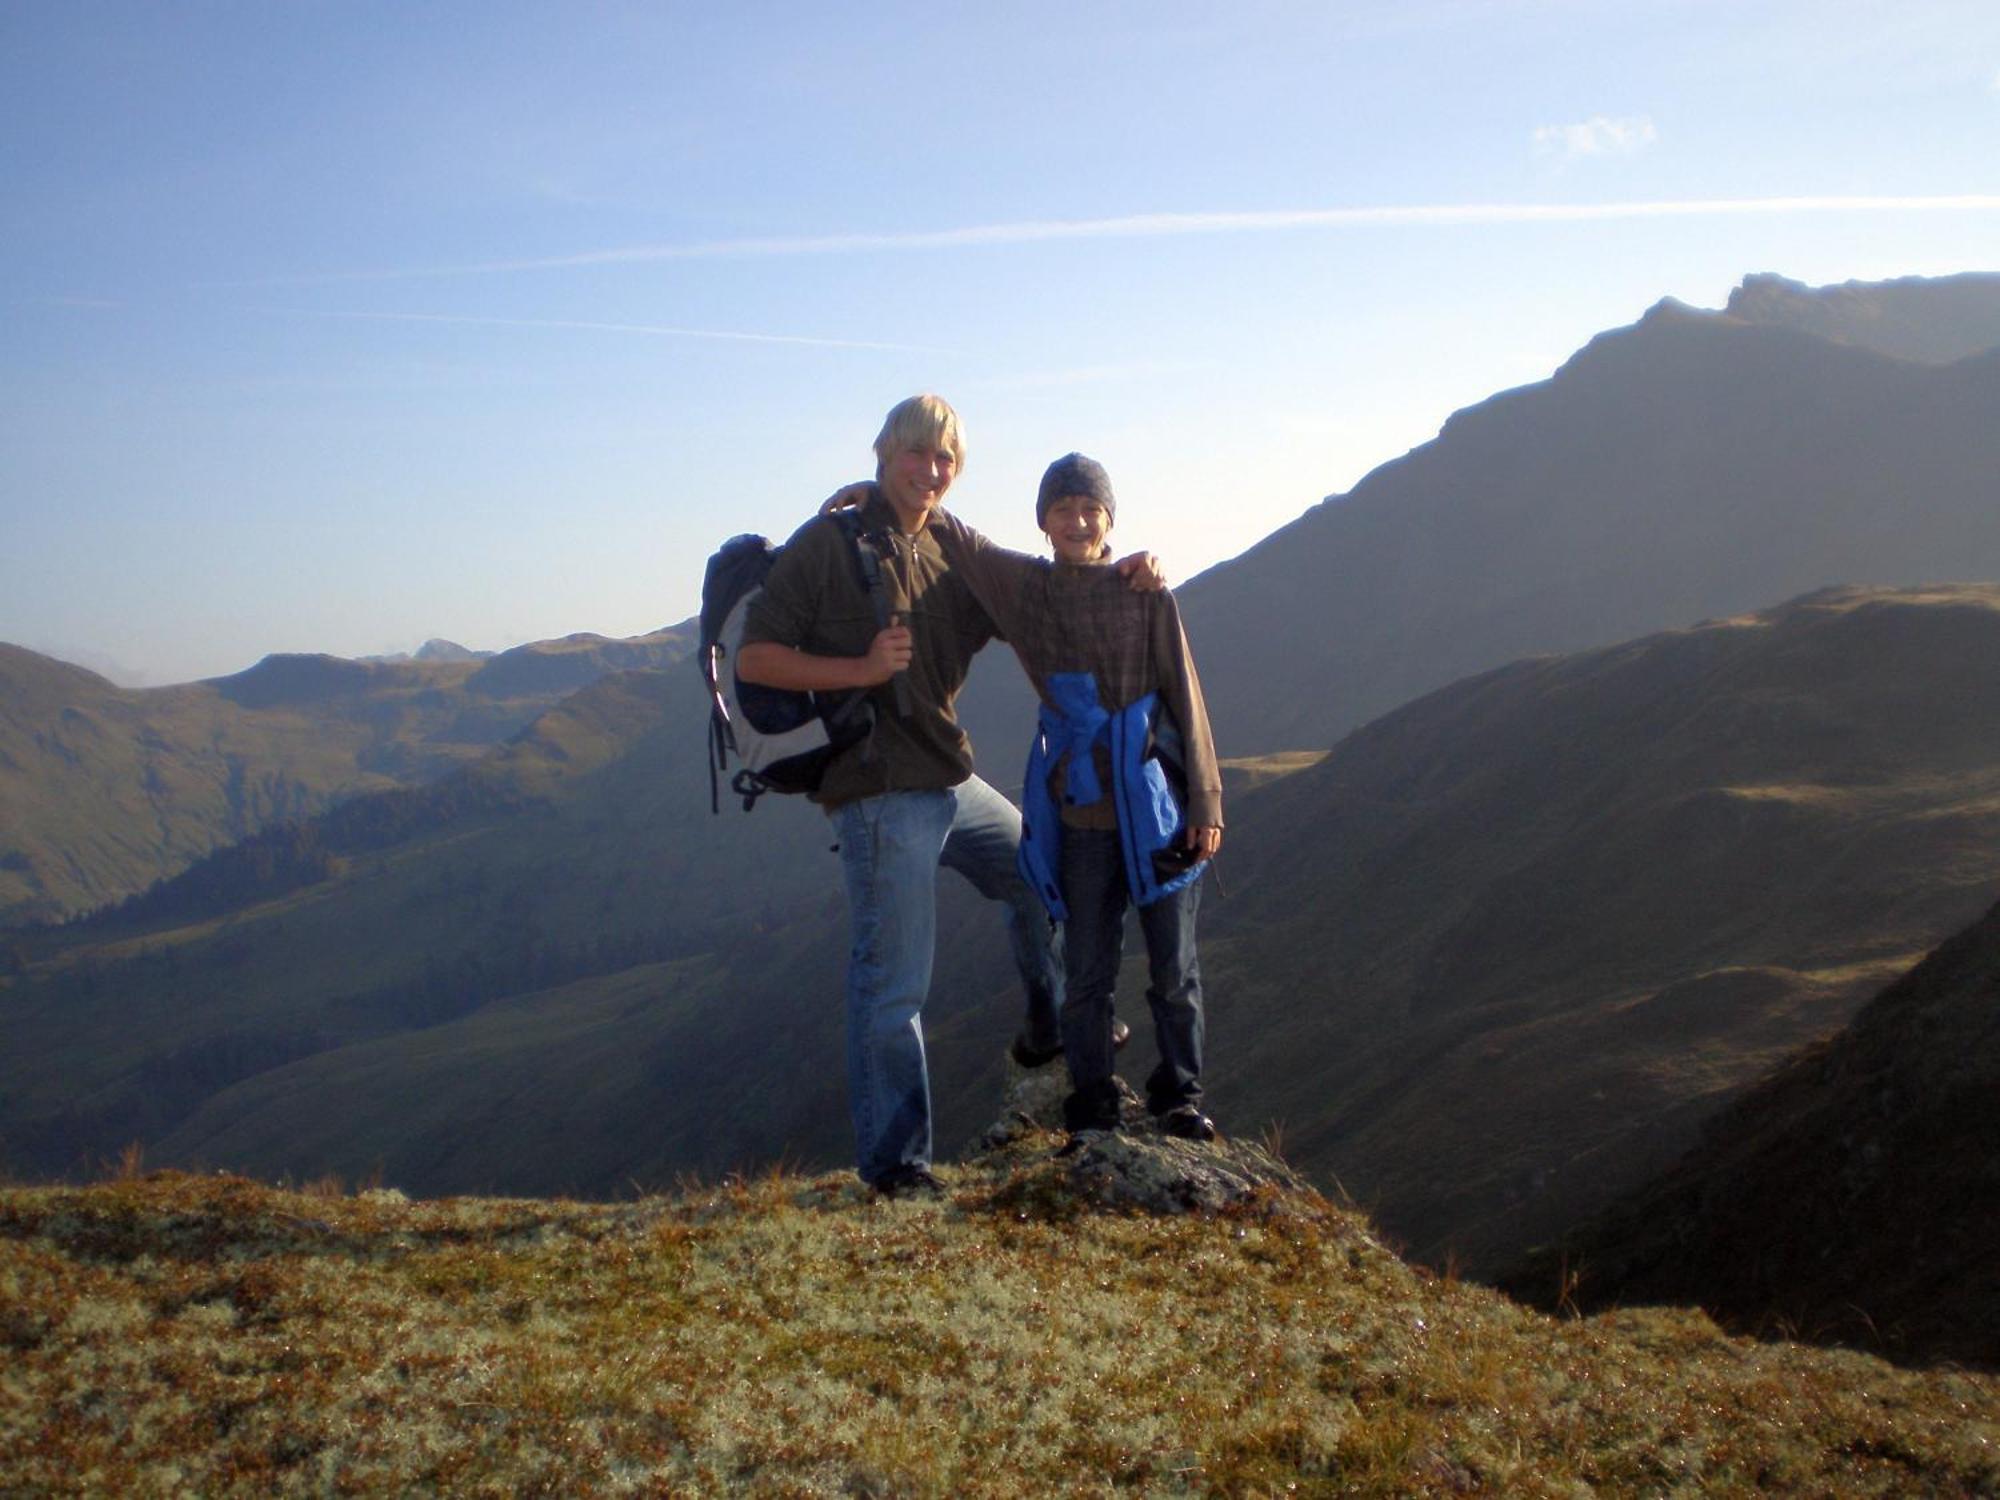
(783, 741)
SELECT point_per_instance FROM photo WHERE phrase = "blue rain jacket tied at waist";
(1150, 817)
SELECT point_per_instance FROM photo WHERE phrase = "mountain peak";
(286, 677)
(1673, 310)
(439, 649)
(1928, 320)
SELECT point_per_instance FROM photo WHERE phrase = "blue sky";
(336, 326)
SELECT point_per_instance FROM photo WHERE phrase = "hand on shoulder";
(847, 497)
(1143, 572)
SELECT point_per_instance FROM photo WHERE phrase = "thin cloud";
(1597, 136)
(656, 330)
(1169, 225)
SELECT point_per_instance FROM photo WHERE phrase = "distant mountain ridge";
(555, 911)
(1933, 320)
(1692, 466)
(435, 649)
(104, 790)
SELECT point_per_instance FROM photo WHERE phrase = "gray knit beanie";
(1073, 474)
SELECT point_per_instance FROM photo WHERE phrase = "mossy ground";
(167, 1333)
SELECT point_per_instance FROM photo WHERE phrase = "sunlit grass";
(790, 1335)
(1258, 770)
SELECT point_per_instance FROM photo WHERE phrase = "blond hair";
(920, 422)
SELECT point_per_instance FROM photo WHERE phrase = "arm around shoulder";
(993, 573)
(1180, 690)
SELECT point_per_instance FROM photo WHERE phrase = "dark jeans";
(1093, 882)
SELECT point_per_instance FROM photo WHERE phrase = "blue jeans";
(1094, 889)
(890, 848)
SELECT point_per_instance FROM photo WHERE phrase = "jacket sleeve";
(1180, 690)
(994, 574)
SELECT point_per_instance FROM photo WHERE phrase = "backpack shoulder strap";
(868, 558)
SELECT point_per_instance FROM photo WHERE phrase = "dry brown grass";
(177, 1334)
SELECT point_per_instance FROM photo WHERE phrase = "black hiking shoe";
(1094, 1108)
(909, 1182)
(1033, 1057)
(1187, 1123)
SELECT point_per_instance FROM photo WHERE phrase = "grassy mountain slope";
(788, 1336)
(1883, 1148)
(104, 790)
(1695, 465)
(1497, 956)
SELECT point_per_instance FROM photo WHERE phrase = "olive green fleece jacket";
(815, 601)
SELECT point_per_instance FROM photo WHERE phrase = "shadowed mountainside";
(1496, 957)
(1692, 466)
(1854, 1195)
(104, 790)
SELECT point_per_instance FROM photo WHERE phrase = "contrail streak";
(654, 329)
(1165, 225)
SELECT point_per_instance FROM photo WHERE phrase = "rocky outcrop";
(1138, 1167)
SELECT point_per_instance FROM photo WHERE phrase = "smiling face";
(914, 478)
(918, 453)
(1077, 525)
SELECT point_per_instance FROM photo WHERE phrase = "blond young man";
(905, 799)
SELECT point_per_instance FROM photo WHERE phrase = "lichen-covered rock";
(1031, 1099)
(1157, 1173)
(1138, 1166)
